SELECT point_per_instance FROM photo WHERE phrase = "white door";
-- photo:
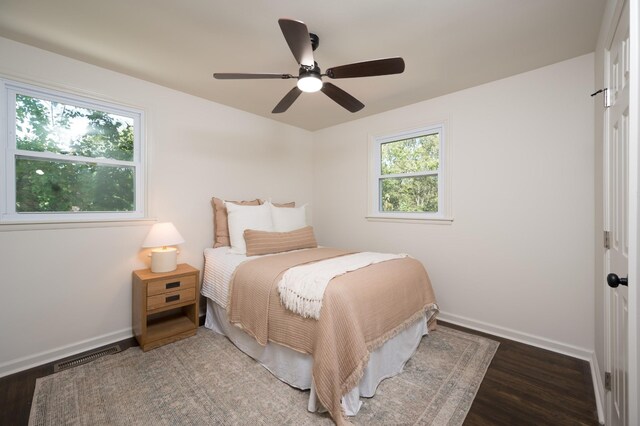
(617, 184)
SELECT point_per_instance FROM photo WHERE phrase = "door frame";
(634, 213)
(607, 200)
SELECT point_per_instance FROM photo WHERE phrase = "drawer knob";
(172, 298)
(172, 285)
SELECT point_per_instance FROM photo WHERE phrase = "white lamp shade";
(162, 235)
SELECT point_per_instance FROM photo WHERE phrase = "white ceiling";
(447, 45)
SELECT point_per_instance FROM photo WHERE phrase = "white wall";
(67, 290)
(518, 258)
(516, 261)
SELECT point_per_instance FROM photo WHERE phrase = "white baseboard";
(598, 387)
(540, 342)
(24, 363)
(518, 336)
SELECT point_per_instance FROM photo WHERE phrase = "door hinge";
(607, 381)
(605, 96)
(607, 240)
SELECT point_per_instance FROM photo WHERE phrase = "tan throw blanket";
(361, 310)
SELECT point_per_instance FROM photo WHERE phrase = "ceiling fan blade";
(368, 68)
(298, 39)
(286, 102)
(247, 76)
(341, 97)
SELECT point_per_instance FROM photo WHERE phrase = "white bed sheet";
(295, 368)
(219, 264)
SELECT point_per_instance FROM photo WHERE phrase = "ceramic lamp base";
(164, 259)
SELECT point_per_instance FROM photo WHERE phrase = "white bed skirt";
(294, 368)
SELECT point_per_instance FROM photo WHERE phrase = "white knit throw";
(302, 287)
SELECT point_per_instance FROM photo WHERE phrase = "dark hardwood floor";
(524, 385)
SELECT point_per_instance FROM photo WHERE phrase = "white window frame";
(444, 214)
(9, 152)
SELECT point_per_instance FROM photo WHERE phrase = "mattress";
(292, 367)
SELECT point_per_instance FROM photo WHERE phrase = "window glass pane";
(43, 125)
(411, 194)
(64, 186)
(410, 155)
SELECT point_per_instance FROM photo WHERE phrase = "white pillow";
(246, 217)
(287, 219)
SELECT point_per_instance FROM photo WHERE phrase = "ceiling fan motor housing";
(310, 79)
(309, 72)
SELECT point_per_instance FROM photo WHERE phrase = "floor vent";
(85, 358)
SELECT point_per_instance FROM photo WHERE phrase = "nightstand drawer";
(173, 298)
(170, 285)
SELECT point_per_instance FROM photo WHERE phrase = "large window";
(69, 158)
(407, 175)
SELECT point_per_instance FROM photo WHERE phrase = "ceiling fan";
(302, 44)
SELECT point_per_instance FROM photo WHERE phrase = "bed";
(372, 317)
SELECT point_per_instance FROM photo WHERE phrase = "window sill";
(424, 221)
(32, 226)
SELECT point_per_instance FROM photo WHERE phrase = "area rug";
(205, 379)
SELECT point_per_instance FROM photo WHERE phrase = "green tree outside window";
(409, 174)
(68, 181)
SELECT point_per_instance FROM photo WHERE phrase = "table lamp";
(161, 235)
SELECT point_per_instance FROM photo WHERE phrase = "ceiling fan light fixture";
(302, 44)
(310, 83)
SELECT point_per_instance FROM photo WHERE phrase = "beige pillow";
(264, 242)
(220, 223)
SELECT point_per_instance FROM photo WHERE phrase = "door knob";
(614, 280)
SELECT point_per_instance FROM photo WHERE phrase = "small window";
(407, 175)
(69, 158)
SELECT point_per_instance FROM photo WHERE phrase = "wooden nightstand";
(165, 305)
